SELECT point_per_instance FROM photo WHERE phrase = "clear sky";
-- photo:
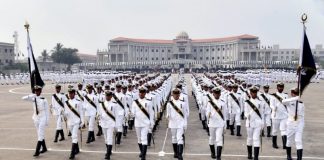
(89, 24)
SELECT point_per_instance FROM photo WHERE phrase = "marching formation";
(125, 102)
(225, 101)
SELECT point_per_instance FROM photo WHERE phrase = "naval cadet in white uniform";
(58, 100)
(40, 117)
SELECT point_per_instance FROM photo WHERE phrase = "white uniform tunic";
(58, 109)
(279, 114)
(90, 110)
(42, 117)
(142, 122)
(74, 122)
(121, 112)
(254, 122)
(295, 128)
(267, 109)
(216, 123)
(234, 108)
(177, 123)
(107, 122)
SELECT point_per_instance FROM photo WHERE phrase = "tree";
(45, 55)
(65, 55)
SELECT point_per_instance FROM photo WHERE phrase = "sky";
(88, 25)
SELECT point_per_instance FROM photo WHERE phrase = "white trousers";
(40, 129)
(295, 133)
(74, 132)
(279, 124)
(92, 120)
(58, 119)
(267, 120)
(108, 134)
(253, 136)
(141, 133)
(119, 123)
(216, 136)
(177, 135)
(236, 117)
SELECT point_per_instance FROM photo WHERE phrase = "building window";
(223, 49)
(6, 60)
(194, 58)
(218, 49)
(146, 59)
(213, 58)
(169, 58)
(137, 50)
(141, 58)
(156, 50)
(5, 50)
(217, 58)
(145, 50)
(10, 50)
(195, 50)
(162, 50)
(169, 50)
(200, 58)
(213, 49)
(152, 50)
(156, 58)
(207, 50)
(152, 59)
(207, 58)
(200, 50)
(223, 57)
(162, 59)
(141, 50)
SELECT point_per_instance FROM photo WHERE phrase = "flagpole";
(304, 19)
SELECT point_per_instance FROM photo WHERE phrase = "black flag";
(35, 78)
(307, 68)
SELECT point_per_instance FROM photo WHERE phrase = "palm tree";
(45, 55)
(57, 48)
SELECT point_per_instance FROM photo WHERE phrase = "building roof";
(161, 41)
(7, 44)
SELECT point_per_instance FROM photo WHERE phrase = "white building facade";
(7, 55)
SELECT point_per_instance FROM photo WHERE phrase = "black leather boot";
(44, 148)
(180, 151)
(149, 138)
(227, 124)
(219, 152)
(268, 131)
(288, 151)
(274, 142)
(118, 137)
(109, 148)
(204, 124)
(212, 151)
(69, 134)
(238, 132)
(89, 137)
(249, 148)
(299, 154)
(77, 149)
(175, 150)
(72, 155)
(124, 131)
(56, 136)
(62, 135)
(92, 136)
(262, 132)
(140, 148)
(232, 129)
(144, 149)
(38, 146)
(284, 141)
(256, 153)
(99, 133)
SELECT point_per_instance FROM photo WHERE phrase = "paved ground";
(18, 136)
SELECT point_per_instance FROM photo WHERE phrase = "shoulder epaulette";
(42, 98)
(184, 93)
(222, 100)
(300, 102)
(148, 99)
(238, 93)
(114, 102)
(62, 93)
(77, 99)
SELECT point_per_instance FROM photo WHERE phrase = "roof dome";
(182, 35)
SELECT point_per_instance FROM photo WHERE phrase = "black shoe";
(274, 142)
(249, 148)
(180, 151)
(149, 138)
(89, 137)
(140, 148)
(56, 136)
(109, 148)
(69, 134)
(72, 155)
(227, 124)
(38, 146)
(62, 135)
(219, 152)
(125, 131)
(92, 136)
(203, 124)
(118, 137)
(99, 133)
(232, 129)
(77, 149)
(212, 151)
(144, 149)
(44, 148)
(238, 132)
(268, 131)
(262, 132)
(288, 151)
(284, 141)
(175, 150)
(256, 153)
(299, 154)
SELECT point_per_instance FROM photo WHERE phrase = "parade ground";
(18, 134)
